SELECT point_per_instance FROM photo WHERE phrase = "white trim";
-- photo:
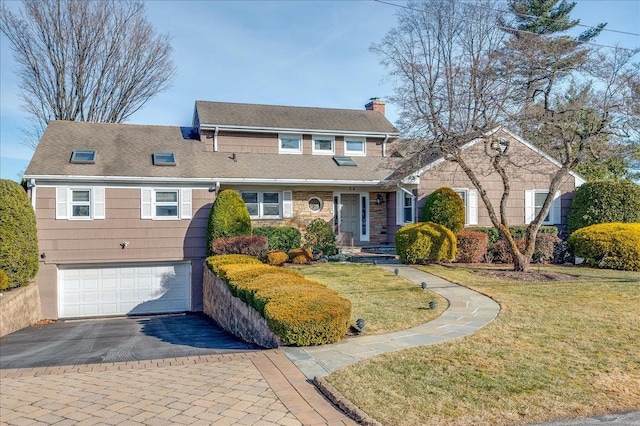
(260, 202)
(362, 153)
(259, 129)
(98, 207)
(282, 150)
(555, 210)
(315, 151)
(185, 203)
(64, 203)
(165, 203)
(148, 203)
(287, 204)
(401, 196)
(472, 216)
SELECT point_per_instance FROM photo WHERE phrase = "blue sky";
(303, 53)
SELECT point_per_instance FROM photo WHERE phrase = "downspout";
(384, 145)
(32, 192)
(215, 139)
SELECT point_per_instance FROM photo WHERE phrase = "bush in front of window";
(472, 246)
(421, 242)
(282, 238)
(604, 201)
(277, 258)
(516, 232)
(18, 235)
(250, 245)
(319, 238)
(299, 311)
(608, 245)
(228, 217)
(547, 246)
(500, 250)
(445, 207)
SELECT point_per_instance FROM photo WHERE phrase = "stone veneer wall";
(233, 314)
(19, 308)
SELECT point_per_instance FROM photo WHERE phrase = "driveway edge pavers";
(468, 311)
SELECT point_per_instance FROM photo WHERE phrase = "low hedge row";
(516, 232)
(283, 238)
(299, 311)
(472, 246)
(609, 245)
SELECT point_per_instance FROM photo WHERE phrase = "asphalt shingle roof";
(291, 117)
(125, 150)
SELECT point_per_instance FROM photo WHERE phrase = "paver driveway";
(117, 339)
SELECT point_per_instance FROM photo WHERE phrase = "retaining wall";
(233, 314)
(19, 308)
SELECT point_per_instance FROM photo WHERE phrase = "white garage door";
(142, 289)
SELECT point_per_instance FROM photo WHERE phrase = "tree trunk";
(520, 262)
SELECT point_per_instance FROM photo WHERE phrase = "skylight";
(164, 159)
(344, 161)
(86, 156)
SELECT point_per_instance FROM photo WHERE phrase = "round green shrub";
(608, 245)
(18, 235)
(445, 207)
(604, 201)
(320, 238)
(425, 242)
(283, 238)
(228, 217)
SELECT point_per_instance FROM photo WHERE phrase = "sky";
(300, 53)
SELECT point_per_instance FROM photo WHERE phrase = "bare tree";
(86, 60)
(459, 75)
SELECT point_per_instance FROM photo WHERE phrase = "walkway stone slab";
(468, 311)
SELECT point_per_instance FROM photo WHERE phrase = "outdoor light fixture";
(423, 285)
(432, 304)
(43, 256)
(124, 244)
(380, 199)
(360, 325)
(396, 271)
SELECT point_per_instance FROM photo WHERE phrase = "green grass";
(386, 302)
(557, 350)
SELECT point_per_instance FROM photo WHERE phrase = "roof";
(125, 151)
(279, 117)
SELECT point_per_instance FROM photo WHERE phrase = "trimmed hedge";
(319, 238)
(282, 238)
(4, 280)
(250, 245)
(608, 245)
(228, 217)
(18, 235)
(277, 257)
(297, 310)
(547, 249)
(425, 242)
(472, 246)
(516, 232)
(605, 201)
(445, 207)
(300, 256)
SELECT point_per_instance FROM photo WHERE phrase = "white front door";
(124, 290)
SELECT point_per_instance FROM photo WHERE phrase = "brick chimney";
(375, 104)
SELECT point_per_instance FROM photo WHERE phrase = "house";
(122, 209)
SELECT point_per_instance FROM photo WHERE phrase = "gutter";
(258, 129)
(384, 145)
(215, 139)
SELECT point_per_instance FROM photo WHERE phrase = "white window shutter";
(287, 204)
(529, 206)
(556, 209)
(472, 216)
(145, 203)
(185, 203)
(98, 203)
(62, 203)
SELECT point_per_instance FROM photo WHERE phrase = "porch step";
(381, 249)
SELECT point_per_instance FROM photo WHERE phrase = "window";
(290, 144)
(80, 203)
(405, 207)
(408, 208)
(315, 204)
(470, 201)
(86, 156)
(345, 161)
(354, 146)
(164, 159)
(262, 204)
(323, 145)
(165, 203)
(533, 202)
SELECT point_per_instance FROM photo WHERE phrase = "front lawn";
(557, 350)
(386, 302)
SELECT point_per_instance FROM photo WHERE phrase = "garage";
(124, 290)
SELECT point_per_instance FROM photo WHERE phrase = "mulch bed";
(530, 276)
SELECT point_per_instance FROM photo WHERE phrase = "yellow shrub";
(300, 256)
(277, 257)
(4, 280)
(215, 262)
(425, 242)
(608, 245)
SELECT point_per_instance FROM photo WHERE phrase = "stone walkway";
(254, 388)
(468, 312)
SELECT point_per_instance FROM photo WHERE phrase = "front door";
(349, 219)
